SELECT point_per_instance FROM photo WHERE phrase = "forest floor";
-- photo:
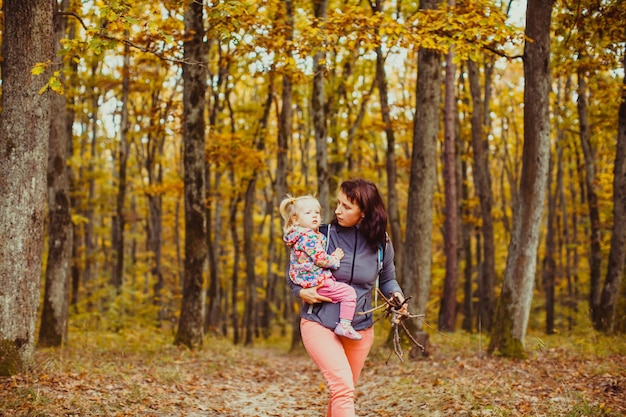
(140, 374)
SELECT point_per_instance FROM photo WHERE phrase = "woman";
(309, 263)
(359, 229)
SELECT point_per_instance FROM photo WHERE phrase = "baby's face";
(309, 214)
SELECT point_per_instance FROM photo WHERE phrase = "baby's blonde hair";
(290, 206)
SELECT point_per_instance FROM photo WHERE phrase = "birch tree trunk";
(53, 328)
(509, 331)
(24, 131)
(191, 325)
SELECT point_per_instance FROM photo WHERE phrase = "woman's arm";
(311, 296)
(388, 283)
(308, 295)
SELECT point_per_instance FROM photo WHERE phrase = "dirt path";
(234, 382)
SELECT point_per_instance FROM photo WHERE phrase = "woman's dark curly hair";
(365, 194)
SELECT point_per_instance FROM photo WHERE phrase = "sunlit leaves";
(589, 35)
(249, 28)
(54, 81)
(230, 151)
(39, 68)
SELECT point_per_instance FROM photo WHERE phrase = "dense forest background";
(176, 127)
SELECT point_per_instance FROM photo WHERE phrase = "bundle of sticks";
(395, 309)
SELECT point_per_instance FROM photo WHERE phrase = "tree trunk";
(154, 151)
(449, 302)
(509, 331)
(339, 149)
(24, 131)
(572, 256)
(605, 317)
(191, 325)
(418, 241)
(250, 253)
(53, 328)
(548, 275)
(319, 119)
(119, 222)
(236, 262)
(482, 182)
(284, 144)
(595, 251)
(392, 172)
(77, 241)
(91, 265)
(466, 236)
(250, 310)
(215, 315)
(286, 113)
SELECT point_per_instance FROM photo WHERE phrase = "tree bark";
(153, 165)
(91, 264)
(466, 236)
(251, 312)
(319, 118)
(415, 276)
(119, 221)
(78, 243)
(216, 293)
(509, 331)
(573, 258)
(548, 274)
(482, 181)
(605, 317)
(285, 124)
(236, 262)
(449, 302)
(595, 237)
(24, 132)
(191, 325)
(54, 316)
(392, 171)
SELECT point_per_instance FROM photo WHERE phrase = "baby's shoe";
(348, 331)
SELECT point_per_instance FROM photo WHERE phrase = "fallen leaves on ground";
(225, 380)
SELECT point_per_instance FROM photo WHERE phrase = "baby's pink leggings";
(340, 359)
(340, 292)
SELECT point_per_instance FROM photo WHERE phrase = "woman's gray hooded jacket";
(360, 268)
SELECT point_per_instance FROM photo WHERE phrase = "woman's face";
(348, 213)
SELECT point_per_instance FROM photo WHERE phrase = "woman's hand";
(405, 307)
(311, 296)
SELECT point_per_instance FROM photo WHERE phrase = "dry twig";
(395, 309)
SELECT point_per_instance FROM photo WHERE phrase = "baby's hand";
(338, 253)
